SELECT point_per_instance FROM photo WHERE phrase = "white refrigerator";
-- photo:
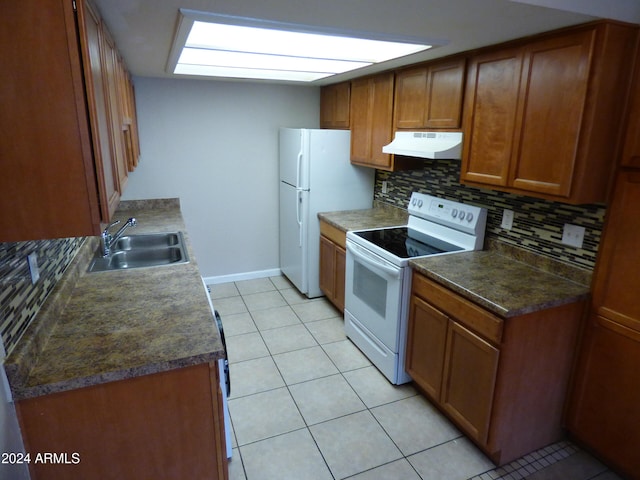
(315, 176)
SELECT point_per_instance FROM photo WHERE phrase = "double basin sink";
(144, 250)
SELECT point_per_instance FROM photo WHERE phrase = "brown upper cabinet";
(371, 118)
(540, 118)
(334, 105)
(60, 173)
(430, 96)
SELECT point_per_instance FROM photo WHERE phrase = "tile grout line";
(520, 468)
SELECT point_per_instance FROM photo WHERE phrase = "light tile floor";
(306, 404)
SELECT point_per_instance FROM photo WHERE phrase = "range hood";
(426, 145)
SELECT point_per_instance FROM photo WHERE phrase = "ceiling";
(144, 29)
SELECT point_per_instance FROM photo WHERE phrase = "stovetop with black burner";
(404, 242)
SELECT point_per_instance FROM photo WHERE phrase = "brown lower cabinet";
(332, 263)
(166, 425)
(604, 412)
(503, 382)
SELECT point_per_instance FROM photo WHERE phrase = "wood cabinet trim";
(473, 317)
(159, 426)
(423, 343)
(480, 403)
(575, 165)
(334, 234)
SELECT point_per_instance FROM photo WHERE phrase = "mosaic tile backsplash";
(537, 224)
(537, 227)
(20, 300)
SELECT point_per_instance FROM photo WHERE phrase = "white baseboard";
(238, 277)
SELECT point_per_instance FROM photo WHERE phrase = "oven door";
(373, 294)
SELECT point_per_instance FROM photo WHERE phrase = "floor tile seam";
(270, 437)
(258, 291)
(272, 389)
(362, 399)
(436, 446)
(235, 362)
(334, 363)
(297, 349)
(259, 332)
(308, 425)
(384, 464)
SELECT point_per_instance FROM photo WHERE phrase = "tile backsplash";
(537, 224)
(20, 300)
(537, 227)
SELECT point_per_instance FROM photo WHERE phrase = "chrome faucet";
(107, 240)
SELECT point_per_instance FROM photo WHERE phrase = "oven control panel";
(460, 216)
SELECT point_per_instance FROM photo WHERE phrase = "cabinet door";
(411, 98)
(491, 99)
(631, 154)
(617, 279)
(334, 105)
(426, 341)
(604, 411)
(361, 97)
(98, 110)
(327, 267)
(445, 82)
(339, 278)
(381, 119)
(552, 100)
(115, 113)
(371, 119)
(469, 380)
(162, 426)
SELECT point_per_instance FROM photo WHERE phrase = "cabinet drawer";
(465, 312)
(334, 234)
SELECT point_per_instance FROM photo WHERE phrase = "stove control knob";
(419, 203)
(454, 213)
(469, 217)
(462, 214)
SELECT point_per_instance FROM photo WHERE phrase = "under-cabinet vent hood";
(426, 145)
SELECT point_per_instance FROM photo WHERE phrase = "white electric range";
(378, 278)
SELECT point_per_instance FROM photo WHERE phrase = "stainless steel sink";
(139, 251)
(151, 240)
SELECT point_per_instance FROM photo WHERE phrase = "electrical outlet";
(573, 235)
(384, 186)
(507, 219)
(32, 260)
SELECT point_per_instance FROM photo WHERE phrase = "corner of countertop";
(25, 354)
(546, 264)
(149, 203)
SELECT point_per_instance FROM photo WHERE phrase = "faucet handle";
(106, 230)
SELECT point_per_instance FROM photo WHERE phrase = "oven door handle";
(364, 256)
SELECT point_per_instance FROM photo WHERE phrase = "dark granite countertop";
(378, 217)
(500, 283)
(108, 326)
(504, 279)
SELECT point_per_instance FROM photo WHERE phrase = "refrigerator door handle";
(298, 169)
(298, 215)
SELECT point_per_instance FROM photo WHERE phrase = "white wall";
(10, 437)
(215, 146)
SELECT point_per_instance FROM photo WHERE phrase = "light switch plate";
(384, 186)
(507, 219)
(32, 260)
(573, 235)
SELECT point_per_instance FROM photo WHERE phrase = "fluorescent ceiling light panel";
(240, 51)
